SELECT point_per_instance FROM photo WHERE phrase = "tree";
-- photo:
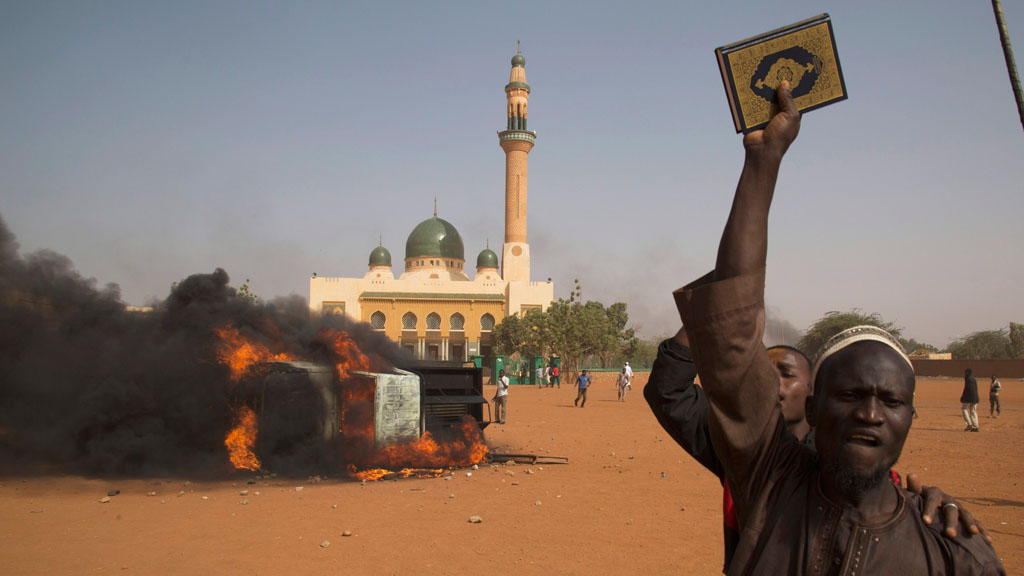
(245, 294)
(835, 322)
(983, 345)
(911, 346)
(1017, 339)
(518, 334)
(570, 328)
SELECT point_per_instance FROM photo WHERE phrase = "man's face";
(794, 382)
(862, 414)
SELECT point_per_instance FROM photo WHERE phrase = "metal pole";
(1011, 67)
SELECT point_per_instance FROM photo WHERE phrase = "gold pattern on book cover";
(805, 58)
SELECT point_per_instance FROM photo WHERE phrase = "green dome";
(487, 259)
(434, 237)
(518, 60)
(380, 257)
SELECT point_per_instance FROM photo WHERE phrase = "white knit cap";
(854, 335)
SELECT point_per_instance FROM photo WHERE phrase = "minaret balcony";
(525, 135)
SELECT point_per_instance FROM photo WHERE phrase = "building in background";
(434, 309)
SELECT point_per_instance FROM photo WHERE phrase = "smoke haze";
(88, 386)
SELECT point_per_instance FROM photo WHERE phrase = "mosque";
(434, 309)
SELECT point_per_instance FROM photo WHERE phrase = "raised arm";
(724, 317)
(744, 245)
(679, 404)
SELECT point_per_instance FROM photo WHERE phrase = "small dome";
(487, 259)
(434, 237)
(518, 60)
(380, 257)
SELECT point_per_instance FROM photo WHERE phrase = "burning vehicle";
(417, 422)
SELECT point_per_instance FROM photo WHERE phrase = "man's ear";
(810, 404)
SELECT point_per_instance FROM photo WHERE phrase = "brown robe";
(787, 525)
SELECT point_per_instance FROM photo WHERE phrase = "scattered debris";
(244, 502)
(537, 503)
(512, 459)
(113, 493)
(475, 519)
(346, 533)
(298, 488)
(325, 544)
(243, 493)
(105, 499)
(151, 493)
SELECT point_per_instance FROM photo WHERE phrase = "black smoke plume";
(88, 386)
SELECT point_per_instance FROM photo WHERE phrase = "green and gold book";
(803, 53)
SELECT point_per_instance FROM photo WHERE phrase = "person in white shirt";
(629, 376)
(501, 398)
(623, 384)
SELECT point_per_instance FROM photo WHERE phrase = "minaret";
(517, 142)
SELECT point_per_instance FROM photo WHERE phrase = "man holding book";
(798, 512)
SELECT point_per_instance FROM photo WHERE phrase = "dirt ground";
(628, 501)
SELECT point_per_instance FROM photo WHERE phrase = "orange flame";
(350, 357)
(239, 353)
(378, 473)
(423, 458)
(241, 439)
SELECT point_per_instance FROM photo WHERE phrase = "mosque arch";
(433, 321)
(409, 321)
(487, 323)
(457, 322)
(378, 320)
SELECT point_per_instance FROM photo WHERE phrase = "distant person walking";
(501, 398)
(623, 384)
(993, 398)
(629, 376)
(554, 377)
(540, 377)
(547, 376)
(969, 401)
(582, 383)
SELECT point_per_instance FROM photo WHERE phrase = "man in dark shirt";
(799, 512)
(969, 401)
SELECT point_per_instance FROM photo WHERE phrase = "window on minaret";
(517, 195)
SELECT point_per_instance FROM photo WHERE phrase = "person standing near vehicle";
(501, 398)
(582, 383)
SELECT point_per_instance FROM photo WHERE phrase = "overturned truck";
(308, 418)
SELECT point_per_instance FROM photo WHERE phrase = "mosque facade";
(434, 308)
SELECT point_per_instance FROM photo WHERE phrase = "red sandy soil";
(628, 502)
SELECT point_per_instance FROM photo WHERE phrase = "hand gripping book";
(803, 53)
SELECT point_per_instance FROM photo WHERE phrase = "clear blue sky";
(148, 141)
